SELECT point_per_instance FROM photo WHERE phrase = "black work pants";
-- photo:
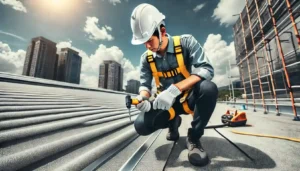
(201, 99)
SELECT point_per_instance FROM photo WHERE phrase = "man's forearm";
(188, 82)
(145, 93)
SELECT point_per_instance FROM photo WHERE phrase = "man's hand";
(145, 105)
(166, 99)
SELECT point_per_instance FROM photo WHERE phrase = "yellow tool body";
(133, 101)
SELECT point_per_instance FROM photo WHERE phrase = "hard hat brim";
(139, 41)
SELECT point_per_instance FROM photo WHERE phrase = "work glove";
(166, 98)
(143, 106)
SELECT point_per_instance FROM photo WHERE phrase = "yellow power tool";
(129, 102)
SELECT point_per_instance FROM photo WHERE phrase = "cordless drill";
(129, 102)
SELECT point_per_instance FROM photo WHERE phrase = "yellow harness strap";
(185, 73)
(181, 69)
(179, 57)
(185, 103)
(153, 67)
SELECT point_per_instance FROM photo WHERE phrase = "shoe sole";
(206, 162)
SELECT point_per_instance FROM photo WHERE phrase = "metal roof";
(58, 128)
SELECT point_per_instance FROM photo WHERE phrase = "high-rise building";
(132, 86)
(40, 58)
(69, 66)
(111, 75)
(55, 67)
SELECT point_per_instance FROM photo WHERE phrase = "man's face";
(152, 43)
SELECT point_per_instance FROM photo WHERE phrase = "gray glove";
(166, 99)
(144, 106)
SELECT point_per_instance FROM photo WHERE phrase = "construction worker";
(182, 74)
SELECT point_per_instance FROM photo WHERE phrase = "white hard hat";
(145, 18)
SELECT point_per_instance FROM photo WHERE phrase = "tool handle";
(130, 101)
(135, 101)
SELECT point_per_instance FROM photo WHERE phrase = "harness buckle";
(185, 95)
(178, 49)
(182, 99)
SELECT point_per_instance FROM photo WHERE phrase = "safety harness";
(181, 69)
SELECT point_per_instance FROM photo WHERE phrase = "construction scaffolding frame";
(267, 45)
(267, 58)
(255, 57)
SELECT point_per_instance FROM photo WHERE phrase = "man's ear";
(163, 31)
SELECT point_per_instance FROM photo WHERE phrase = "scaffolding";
(267, 46)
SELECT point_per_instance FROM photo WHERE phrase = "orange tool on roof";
(234, 119)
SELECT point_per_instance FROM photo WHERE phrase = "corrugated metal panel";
(51, 128)
(48, 128)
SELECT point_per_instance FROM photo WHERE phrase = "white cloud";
(227, 8)
(16, 5)
(198, 7)
(218, 52)
(111, 53)
(69, 45)
(114, 2)
(13, 35)
(108, 28)
(90, 64)
(88, 80)
(88, 1)
(11, 61)
(95, 32)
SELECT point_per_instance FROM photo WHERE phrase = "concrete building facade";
(111, 75)
(40, 58)
(132, 86)
(69, 66)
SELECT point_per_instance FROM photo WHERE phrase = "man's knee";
(207, 87)
(141, 128)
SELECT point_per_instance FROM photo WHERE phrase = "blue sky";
(100, 30)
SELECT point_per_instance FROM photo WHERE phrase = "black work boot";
(197, 156)
(173, 134)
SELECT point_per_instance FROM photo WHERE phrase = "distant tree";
(223, 93)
